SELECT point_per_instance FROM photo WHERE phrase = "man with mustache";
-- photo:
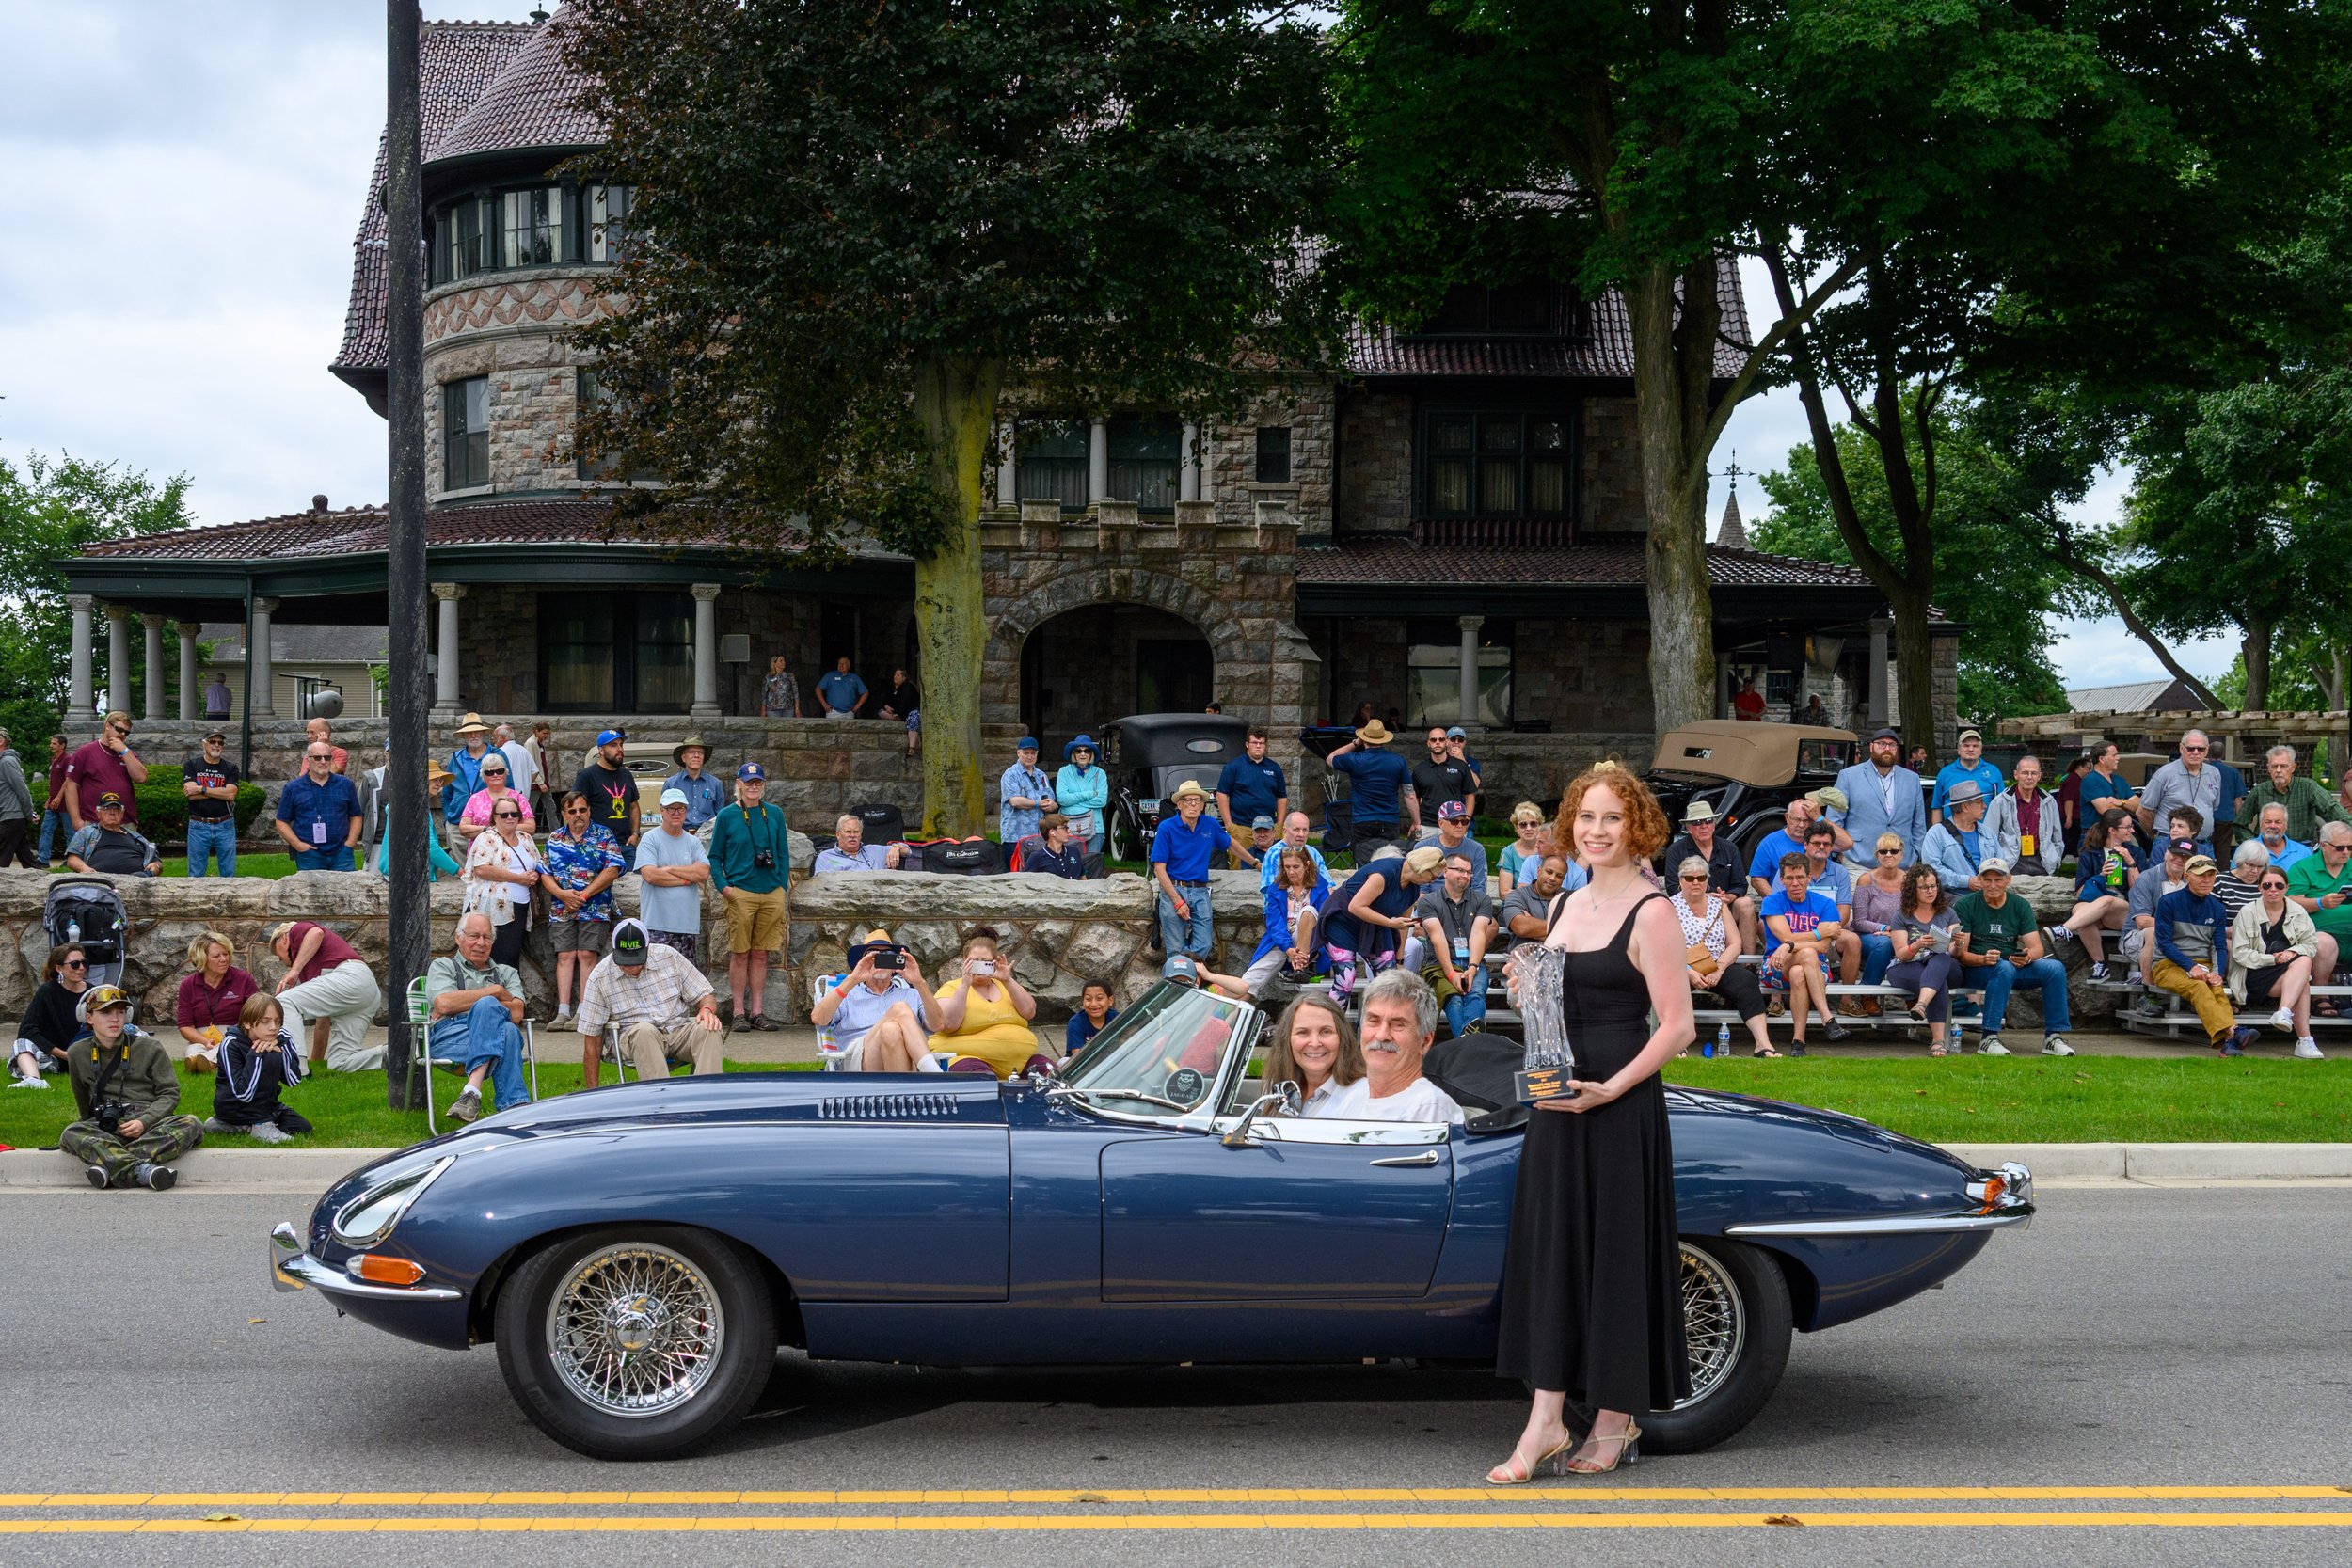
(1400, 1018)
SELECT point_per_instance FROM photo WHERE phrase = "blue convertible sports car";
(639, 1253)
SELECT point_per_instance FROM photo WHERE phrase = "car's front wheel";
(636, 1343)
(1125, 835)
(1736, 1324)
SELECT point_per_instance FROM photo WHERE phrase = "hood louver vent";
(884, 1107)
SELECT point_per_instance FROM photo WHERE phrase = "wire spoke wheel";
(635, 1329)
(1714, 1322)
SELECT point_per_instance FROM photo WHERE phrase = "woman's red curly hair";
(1647, 830)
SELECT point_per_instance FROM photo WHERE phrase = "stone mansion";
(1457, 515)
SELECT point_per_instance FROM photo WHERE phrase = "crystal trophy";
(1535, 974)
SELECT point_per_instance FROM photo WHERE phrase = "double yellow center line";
(1100, 1511)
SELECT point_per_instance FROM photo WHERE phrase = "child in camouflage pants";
(112, 1064)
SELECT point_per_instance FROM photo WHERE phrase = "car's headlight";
(370, 1217)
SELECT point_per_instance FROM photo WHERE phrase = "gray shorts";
(580, 936)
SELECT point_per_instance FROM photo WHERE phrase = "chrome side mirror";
(1282, 1098)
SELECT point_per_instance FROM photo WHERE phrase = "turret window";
(529, 226)
(466, 433)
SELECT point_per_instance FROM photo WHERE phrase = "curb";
(222, 1170)
(311, 1171)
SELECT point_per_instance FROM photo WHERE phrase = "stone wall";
(1612, 498)
(1058, 934)
(1374, 493)
(510, 329)
(1230, 469)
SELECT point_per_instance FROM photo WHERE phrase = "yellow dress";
(994, 1030)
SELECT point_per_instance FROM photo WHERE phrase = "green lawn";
(269, 864)
(347, 1108)
(2199, 1099)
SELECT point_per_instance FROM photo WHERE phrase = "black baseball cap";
(628, 945)
(2184, 847)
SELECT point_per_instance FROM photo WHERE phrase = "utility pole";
(405, 817)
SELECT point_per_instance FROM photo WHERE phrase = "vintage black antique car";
(1147, 755)
(1748, 772)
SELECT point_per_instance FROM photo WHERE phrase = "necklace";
(1634, 884)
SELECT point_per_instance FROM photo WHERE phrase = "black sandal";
(1765, 1050)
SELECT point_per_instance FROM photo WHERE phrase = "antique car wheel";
(1126, 835)
(638, 1342)
(1737, 1323)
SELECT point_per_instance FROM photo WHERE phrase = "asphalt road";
(2131, 1339)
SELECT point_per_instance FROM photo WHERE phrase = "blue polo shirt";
(320, 814)
(1988, 779)
(1186, 851)
(1252, 789)
(1377, 783)
(1765, 863)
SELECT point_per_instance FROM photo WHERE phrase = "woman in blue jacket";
(1083, 793)
(1293, 903)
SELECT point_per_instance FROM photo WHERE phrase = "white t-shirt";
(521, 767)
(1423, 1101)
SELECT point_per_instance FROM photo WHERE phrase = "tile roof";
(1606, 351)
(1605, 563)
(536, 99)
(355, 530)
(455, 61)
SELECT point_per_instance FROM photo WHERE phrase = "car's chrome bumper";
(2002, 1198)
(293, 1269)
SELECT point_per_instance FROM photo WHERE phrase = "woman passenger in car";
(984, 1014)
(1314, 1047)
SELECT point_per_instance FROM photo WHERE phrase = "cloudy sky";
(186, 181)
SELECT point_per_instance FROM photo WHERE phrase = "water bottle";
(1722, 1045)
(72, 932)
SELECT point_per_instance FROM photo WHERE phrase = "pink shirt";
(479, 805)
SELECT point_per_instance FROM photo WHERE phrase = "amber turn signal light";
(378, 1269)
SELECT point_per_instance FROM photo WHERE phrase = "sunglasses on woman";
(507, 815)
(74, 963)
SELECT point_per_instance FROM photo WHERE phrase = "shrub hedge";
(163, 811)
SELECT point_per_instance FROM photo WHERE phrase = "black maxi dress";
(1592, 1300)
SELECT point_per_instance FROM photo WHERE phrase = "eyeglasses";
(319, 756)
(74, 963)
(2274, 887)
(2193, 748)
(1695, 876)
(1895, 850)
(506, 816)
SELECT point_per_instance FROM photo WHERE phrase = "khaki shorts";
(580, 936)
(754, 921)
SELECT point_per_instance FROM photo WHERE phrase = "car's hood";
(760, 1097)
(1834, 1124)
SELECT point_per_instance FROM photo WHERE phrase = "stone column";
(1188, 465)
(445, 700)
(1876, 682)
(189, 707)
(706, 652)
(257, 659)
(1098, 460)
(1469, 624)
(152, 663)
(82, 693)
(1008, 467)
(1722, 686)
(118, 659)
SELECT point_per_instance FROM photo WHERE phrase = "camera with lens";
(110, 1115)
(763, 859)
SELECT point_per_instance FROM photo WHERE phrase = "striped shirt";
(664, 992)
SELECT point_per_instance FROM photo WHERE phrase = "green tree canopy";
(856, 225)
(48, 511)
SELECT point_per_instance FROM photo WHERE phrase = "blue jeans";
(2002, 977)
(56, 828)
(482, 1033)
(335, 857)
(1466, 1010)
(1192, 934)
(1878, 951)
(212, 842)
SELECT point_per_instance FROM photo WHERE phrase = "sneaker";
(1992, 1047)
(156, 1178)
(563, 1017)
(466, 1106)
(28, 1080)
(2235, 1041)
(215, 1128)
(2099, 972)
(2282, 1018)
(1796, 1048)
(1834, 1031)
(2056, 934)
(269, 1133)
(2054, 1045)
(97, 1174)
(2307, 1048)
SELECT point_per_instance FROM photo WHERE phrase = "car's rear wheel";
(636, 1343)
(1124, 834)
(1736, 1322)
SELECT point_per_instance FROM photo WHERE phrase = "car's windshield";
(1164, 1051)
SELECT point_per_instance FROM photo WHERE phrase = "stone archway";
(1243, 676)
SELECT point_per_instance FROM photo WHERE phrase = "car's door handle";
(1427, 1157)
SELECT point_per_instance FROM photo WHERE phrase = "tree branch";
(2060, 542)
(1768, 346)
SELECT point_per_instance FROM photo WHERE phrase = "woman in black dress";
(1592, 1302)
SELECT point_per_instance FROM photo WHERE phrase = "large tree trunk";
(1673, 376)
(2257, 654)
(956, 400)
(1915, 669)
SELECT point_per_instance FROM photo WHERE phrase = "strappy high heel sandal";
(1628, 1452)
(1501, 1475)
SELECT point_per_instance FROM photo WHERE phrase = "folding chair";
(832, 1057)
(421, 1060)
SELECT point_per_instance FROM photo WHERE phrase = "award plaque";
(1535, 977)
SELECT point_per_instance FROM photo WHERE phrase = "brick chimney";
(318, 503)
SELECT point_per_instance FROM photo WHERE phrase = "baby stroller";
(86, 910)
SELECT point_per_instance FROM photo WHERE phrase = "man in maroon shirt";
(106, 765)
(328, 985)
